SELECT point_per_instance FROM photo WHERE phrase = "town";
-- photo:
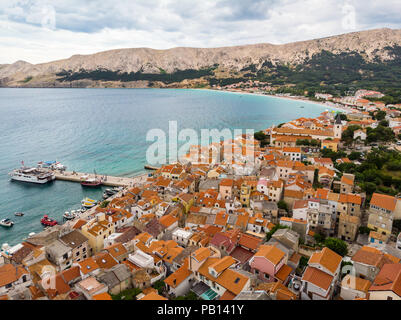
(314, 213)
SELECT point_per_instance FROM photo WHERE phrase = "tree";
(355, 155)
(337, 245)
(319, 238)
(380, 115)
(282, 205)
(159, 286)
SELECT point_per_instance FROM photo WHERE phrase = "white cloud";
(44, 30)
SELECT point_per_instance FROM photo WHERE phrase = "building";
(59, 254)
(97, 230)
(321, 276)
(13, 278)
(78, 243)
(387, 284)
(354, 288)
(269, 264)
(368, 262)
(381, 213)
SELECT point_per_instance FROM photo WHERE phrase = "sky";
(39, 31)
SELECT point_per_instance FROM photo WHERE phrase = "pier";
(111, 181)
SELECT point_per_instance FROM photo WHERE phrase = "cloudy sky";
(44, 30)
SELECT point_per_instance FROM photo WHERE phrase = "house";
(354, 287)
(330, 144)
(90, 287)
(96, 231)
(292, 153)
(78, 243)
(381, 213)
(179, 282)
(387, 284)
(219, 279)
(347, 183)
(320, 277)
(117, 279)
(368, 261)
(226, 188)
(59, 254)
(117, 251)
(13, 278)
(169, 222)
(376, 239)
(182, 236)
(360, 134)
(269, 264)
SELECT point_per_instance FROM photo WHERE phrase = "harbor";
(110, 181)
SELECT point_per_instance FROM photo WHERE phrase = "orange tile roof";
(388, 279)
(317, 277)
(102, 296)
(271, 253)
(177, 277)
(88, 265)
(222, 264)
(383, 201)
(168, 220)
(201, 254)
(326, 258)
(153, 296)
(284, 272)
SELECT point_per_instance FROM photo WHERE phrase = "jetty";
(107, 180)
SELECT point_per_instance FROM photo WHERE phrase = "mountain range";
(368, 58)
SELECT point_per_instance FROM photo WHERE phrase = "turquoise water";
(105, 130)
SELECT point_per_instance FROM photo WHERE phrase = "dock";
(111, 181)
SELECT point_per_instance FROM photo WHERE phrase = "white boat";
(33, 175)
(88, 200)
(54, 165)
(88, 204)
(6, 223)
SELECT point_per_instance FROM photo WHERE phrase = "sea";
(104, 130)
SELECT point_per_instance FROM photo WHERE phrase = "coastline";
(274, 96)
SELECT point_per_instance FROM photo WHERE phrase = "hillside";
(371, 58)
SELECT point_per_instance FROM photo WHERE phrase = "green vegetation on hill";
(107, 75)
(379, 172)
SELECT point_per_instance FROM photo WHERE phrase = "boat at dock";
(88, 203)
(53, 165)
(91, 182)
(33, 175)
(6, 223)
(48, 222)
(149, 167)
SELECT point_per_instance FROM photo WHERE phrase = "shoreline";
(273, 96)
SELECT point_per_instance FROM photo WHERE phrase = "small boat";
(88, 205)
(48, 222)
(88, 200)
(6, 223)
(19, 214)
(91, 182)
(68, 215)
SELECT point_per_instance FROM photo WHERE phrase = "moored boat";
(6, 223)
(33, 175)
(48, 222)
(91, 182)
(19, 214)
